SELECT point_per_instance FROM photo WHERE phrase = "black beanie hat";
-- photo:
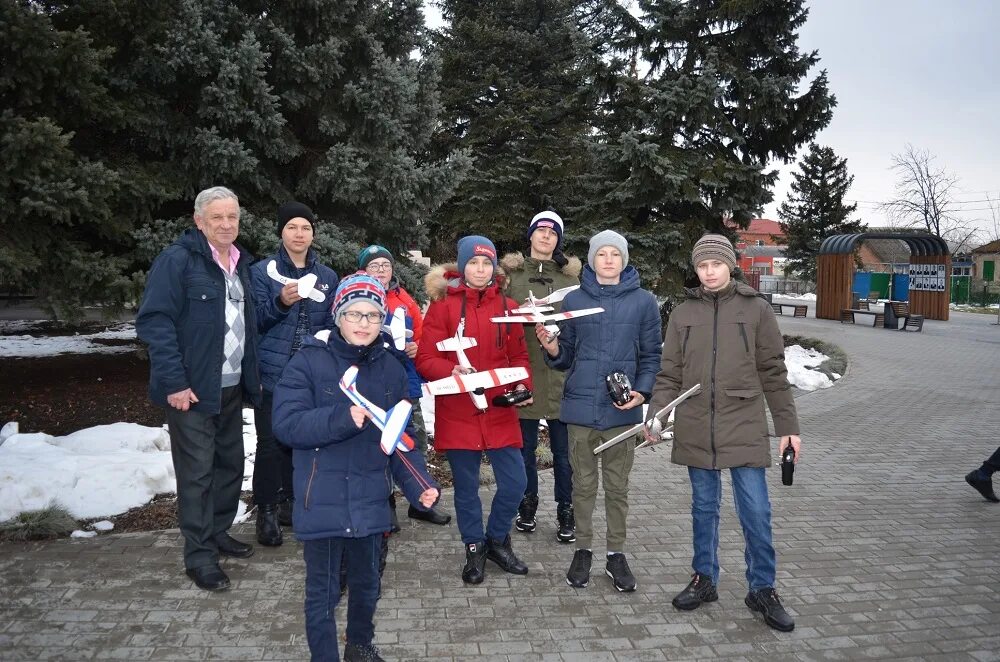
(292, 209)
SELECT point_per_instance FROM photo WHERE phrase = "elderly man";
(197, 316)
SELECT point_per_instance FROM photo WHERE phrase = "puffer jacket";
(729, 343)
(342, 477)
(625, 337)
(541, 278)
(276, 324)
(458, 425)
(182, 319)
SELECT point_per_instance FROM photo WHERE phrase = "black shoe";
(475, 563)
(701, 589)
(431, 515)
(361, 653)
(579, 570)
(230, 546)
(268, 529)
(566, 531)
(766, 602)
(285, 509)
(982, 484)
(617, 569)
(502, 554)
(394, 522)
(209, 577)
(525, 521)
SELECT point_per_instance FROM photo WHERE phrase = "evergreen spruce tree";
(815, 208)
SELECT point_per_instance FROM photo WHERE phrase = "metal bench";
(798, 310)
(847, 315)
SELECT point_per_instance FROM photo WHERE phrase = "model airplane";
(306, 284)
(536, 311)
(474, 383)
(392, 423)
(658, 417)
(395, 326)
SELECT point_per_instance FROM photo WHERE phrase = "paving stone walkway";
(883, 551)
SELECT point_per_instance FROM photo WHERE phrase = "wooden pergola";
(835, 273)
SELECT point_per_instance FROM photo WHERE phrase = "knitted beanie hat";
(547, 219)
(607, 238)
(714, 247)
(292, 209)
(473, 245)
(372, 252)
(356, 288)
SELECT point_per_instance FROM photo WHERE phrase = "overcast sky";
(924, 72)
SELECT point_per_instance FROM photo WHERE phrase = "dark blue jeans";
(561, 469)
(322, 559)
(508, 467)
(754, 510)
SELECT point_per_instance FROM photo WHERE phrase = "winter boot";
(475, 563)
(394, 526)
(285, 509)
(525, 522)
(502, 554)
(268, 529)
(361, 653)
(566, 532)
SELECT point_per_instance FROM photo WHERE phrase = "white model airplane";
(392, 423)
(306, 284)
(395, 326)
(474, 383)
(536, 311)
(658, 417)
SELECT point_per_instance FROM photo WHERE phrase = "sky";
(106, 470)
(920, 72)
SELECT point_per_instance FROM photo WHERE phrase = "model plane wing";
(475, 381)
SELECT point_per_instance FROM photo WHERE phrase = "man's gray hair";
(210, 195)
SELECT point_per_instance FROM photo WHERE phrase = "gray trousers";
(614, 464)
(207, 450)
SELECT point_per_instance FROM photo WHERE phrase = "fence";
(966, 292)
(776, 285)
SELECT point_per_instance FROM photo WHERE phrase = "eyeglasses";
(379, 266)
(354, 317)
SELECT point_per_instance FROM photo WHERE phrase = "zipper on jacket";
(309, 485)
(684, 345)
(715, 351)
(743, 334)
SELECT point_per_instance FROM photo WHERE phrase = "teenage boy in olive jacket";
(725, 337)
(544, 270)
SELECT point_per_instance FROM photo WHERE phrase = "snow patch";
(103, 525)
(24, 345)
(83, 534)
(802, 364)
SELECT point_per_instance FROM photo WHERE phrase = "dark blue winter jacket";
(275, 323)
(626, 337)
(342, 477)
(182, 319)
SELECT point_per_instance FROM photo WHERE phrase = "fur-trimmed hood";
(442, 276)
(512, 262)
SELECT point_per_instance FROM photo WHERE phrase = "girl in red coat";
(469, 292)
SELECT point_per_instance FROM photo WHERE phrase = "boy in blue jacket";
(342, 477)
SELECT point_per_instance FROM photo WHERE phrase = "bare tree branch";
(925, 197)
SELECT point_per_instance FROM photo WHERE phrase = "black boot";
(566, 532)
(394, 525)
(285, 509)
(502, 554)
(268, 529)
(766, 602)
(525, 522)
(475, 563)
(430, 515)
(699, 590)
(361, 653)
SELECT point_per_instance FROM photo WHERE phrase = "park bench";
(900, 310)
(847, 315)
(798, 310)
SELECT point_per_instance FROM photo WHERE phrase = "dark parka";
(626, 337)
(342, 477)
(275, 323)
(729, 343)
(182, 318)
(541, 278)
(458, 425)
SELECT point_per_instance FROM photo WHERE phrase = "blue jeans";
(561, 469)
(754, 510)
(508, 467)
(322, 559)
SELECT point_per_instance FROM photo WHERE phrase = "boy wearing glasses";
(378, 262)
(342, 477)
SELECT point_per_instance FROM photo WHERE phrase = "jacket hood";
(443, 276)
(512, 262)
(629, 281)
(330, 340)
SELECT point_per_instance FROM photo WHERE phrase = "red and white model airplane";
(392, 423)
(537, 311)
(474, 383)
